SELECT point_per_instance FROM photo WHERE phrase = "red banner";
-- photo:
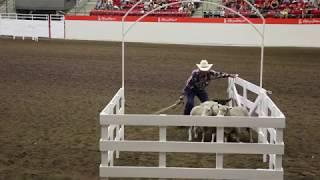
(196, 20)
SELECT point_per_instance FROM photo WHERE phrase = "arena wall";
(28, 25)
(295, 33)
(24, 28)
(194, 31)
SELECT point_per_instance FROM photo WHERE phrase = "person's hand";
(234, 75)
(181, 98)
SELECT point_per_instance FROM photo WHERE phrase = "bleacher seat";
(297, 8)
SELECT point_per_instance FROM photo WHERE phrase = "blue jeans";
(201, 94)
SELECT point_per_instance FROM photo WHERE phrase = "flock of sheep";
(213, 108)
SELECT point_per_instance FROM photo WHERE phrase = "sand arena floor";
(51, 94)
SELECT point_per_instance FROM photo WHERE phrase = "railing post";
(273, 140)
(236, 95)
(111, 134)
(162, 155)
(123, 100)
(271, 156)
(279, 140)
(263, 111)
(163, 138)
(118, 135)
(110, 157)
(230, 94)
(244, 94)
(104, 154)
(122, 112)
(265, 140)
(117, 139)
(219, 157)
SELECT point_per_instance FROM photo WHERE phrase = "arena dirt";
(51, 93)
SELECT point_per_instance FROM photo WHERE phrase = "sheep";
(222, 101)
(234, 111)
(214, 104)
(207, 108)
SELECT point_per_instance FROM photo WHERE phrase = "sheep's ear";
(229, 108)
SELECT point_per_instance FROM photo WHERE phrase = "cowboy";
(197, 83)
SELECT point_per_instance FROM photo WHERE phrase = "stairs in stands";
(7, 6)
(83, 8)
(205, 7)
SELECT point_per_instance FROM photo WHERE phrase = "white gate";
(32, 25)
(266, 118)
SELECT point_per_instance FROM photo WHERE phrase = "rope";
(178, 102)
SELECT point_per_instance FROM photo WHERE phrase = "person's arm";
(189, 83)
(188, 87)
(218, 75)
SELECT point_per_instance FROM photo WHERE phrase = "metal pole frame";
(261, 34)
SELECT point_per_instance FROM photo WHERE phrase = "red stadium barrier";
(180, 19)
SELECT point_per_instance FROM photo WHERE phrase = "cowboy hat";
(204, 65)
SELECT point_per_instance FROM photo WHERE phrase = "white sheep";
(208, 108)
(234, 111)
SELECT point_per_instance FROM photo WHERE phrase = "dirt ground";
(51, 93)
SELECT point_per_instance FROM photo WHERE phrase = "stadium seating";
(120, 7)
(270, 8)
(136, 13)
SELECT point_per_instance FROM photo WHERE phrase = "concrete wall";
(292, 35)
(24, 28)
(32, 28)
(45, 4)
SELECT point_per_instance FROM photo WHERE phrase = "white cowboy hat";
(204, 65)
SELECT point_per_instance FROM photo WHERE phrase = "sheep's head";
(223, 110)
(206, 111)
(215, 109)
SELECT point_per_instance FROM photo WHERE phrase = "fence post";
(230, 91)
(271, 156)
(263, 111)
(245, 96)
(122, 112)
(162, 155)
(162, 138)
(118, 134)
(104, 154)
(279, 140)
(219, 157)
(111, 133)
